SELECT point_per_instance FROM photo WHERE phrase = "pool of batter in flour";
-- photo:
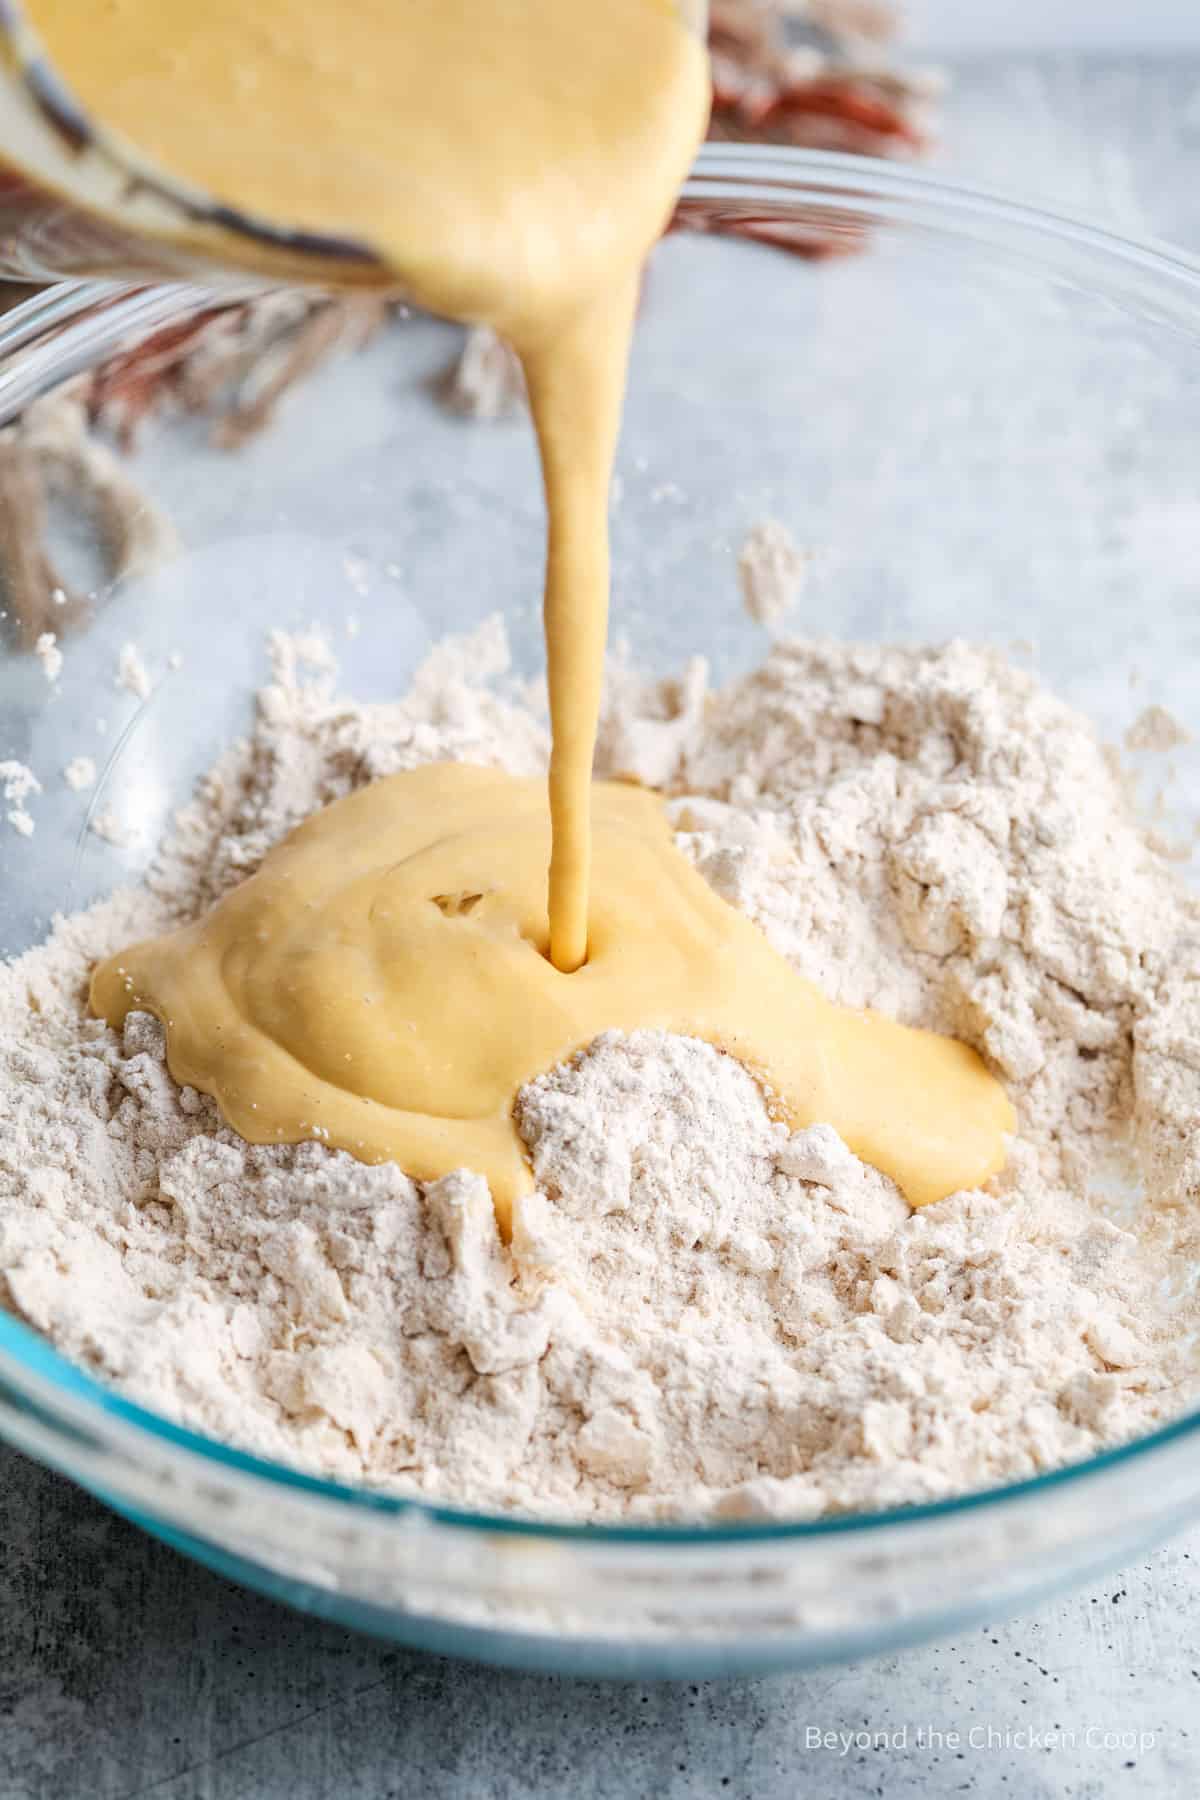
(692, 1305)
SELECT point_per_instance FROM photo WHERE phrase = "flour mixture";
(700, 1313)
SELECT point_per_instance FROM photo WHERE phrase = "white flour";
(132, 673)
(80, 773)
(17, 784)
(771, 570)
(49, 655)
(699, 1313)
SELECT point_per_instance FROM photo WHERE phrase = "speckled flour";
(699, 1313)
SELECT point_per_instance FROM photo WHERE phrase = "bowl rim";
(62, 329)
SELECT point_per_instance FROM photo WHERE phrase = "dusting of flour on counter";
(108, 825)
(1156, 729)
(80, 773)
(49, 655)
(700, 1313)
(132, 673)
(771, 570)
(17, 784)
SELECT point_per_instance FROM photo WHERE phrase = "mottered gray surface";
(126, 1671)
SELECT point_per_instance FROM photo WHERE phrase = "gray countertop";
(126, 1671)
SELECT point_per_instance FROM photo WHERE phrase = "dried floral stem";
(30, 580)
(50, 452)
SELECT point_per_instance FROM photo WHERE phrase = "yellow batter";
(382, 984)
(398, 968)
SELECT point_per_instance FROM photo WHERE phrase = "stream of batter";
(402, 964)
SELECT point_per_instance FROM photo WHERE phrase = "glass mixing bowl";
(981, 425)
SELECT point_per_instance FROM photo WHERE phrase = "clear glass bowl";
(981, 426)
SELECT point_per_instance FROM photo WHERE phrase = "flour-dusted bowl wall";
(979, 421)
